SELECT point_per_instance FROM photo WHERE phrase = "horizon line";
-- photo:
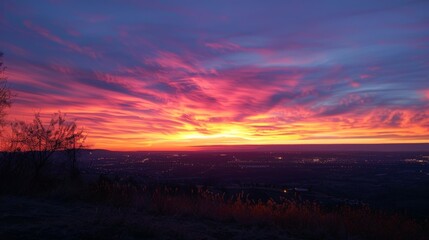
(348, 147)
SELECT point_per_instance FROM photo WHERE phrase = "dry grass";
(302, 219)
(306, 219)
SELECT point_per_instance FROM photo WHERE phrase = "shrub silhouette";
(29, 149)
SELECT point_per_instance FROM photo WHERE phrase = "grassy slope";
(41, 218)
(51, 208)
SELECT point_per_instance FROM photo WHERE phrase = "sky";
(164, 75)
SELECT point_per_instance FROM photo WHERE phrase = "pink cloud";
(364, 76)
(70, 45)
(426, 94)
(223, 45)
(172, 60)
(355, 84)
(14, 49)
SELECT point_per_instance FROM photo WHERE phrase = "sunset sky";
(152, 75)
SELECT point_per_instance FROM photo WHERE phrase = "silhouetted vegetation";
(30, 150)
(5, 93)
(304, 219)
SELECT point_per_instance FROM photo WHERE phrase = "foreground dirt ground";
(38, 218)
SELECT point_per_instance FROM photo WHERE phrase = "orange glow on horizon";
(182, 123)
(135, 134)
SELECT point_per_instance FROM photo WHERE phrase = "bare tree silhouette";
(27, 148)
(5, 93)
(40, 141)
